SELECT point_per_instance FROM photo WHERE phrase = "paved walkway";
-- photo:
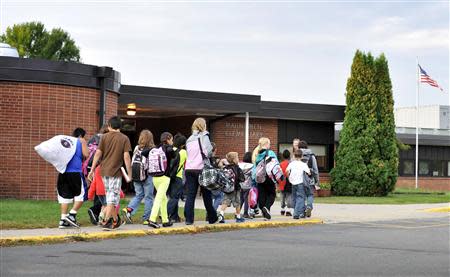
(328, 213)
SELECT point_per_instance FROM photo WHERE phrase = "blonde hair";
(199, 125)
(232, 157)
(146, 139)
(263, 143)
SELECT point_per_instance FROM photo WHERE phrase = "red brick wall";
(429, 183)
(31, 113)
(229, 134)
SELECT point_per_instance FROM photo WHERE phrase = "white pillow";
(58, 151)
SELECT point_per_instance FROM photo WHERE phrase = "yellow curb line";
(13, 241)
(438, 210)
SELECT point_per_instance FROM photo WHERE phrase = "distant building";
(433, 117)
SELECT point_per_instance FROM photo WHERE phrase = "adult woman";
(266, 190)
(199, 149)
(144, 189)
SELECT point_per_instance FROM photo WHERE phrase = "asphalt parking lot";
(410, 247)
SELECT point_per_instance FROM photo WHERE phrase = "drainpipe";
(102, 74)
(247, 130)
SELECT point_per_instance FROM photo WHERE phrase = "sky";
(290, 51)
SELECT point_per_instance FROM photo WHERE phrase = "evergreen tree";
(367, 153)
(386, 137)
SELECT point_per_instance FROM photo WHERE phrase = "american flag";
(424, 78)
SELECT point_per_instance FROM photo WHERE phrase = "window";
(424, 168)
(408, 167)
(320, 151)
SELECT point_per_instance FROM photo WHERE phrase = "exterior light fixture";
(131, 109)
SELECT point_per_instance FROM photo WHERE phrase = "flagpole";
(417, 123)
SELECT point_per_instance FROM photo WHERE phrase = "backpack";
(92, 146)
(274, 171)
(310, 179)
(231, 175)
(253, 197)
(215, 179)
(157, 162)
(261, 172)
(247, 183)
(138, 166)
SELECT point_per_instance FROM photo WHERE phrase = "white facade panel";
(429, 117)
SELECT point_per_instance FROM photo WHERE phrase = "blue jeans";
(299, 193)
(192, 188)
(217, 198)
(175, 193)
(244, 200)
(310, 197)
(144, 190)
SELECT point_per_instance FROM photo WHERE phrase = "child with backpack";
(159, 166)
(285, 186)
(310, 159)
(217, 195)
(262, 155)
(235, 174)
(246, 167)
(296, 173)
(176, 186)
(143, 183)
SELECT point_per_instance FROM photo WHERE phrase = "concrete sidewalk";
(322, 213)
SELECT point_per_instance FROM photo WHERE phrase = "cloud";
(395, 33)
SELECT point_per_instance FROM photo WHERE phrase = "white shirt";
(296, 169)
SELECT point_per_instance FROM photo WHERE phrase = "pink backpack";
(253, 197)
(157, 162)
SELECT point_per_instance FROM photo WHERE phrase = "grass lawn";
(399, 196)
(29, 214)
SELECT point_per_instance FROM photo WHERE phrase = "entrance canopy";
(164, 102)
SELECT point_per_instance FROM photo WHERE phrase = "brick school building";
(41, 99)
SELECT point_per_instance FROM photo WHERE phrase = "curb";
(32, 240)
(438, 210)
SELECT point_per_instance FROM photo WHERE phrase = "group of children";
(162, 168)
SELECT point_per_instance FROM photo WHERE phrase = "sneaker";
(127, 215)
(189, 223)
(308, 212)
(117, 224)
(168, 224)
(153, 224)
(288, 214)
(72, 220)
(108, 225)
(240, 220)
(302, 216)
(145, 222)
(256, 211)
(247, 216)
(63, 224)
(296, 217)
(92, 217)
(282, 212)
(220, 218)
(266, 213)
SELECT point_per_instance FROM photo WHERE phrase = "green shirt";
(183, 157)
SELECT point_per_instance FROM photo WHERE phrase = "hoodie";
(194, 156)
(308, 154)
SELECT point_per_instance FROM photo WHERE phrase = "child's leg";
(160, 204)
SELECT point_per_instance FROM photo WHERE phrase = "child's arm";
(306, 169)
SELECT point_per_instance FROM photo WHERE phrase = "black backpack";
(138, 166)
